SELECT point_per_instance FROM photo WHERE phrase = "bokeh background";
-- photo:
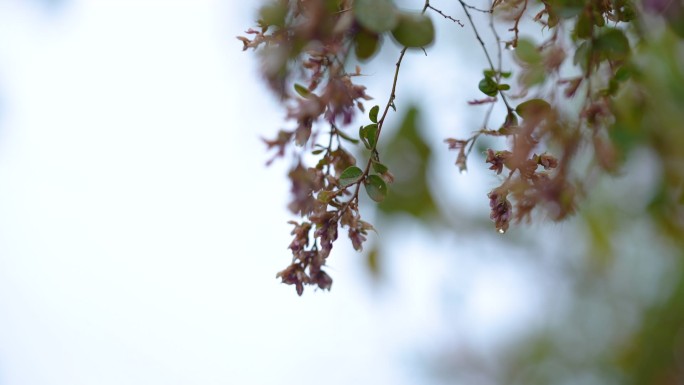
(140, 230)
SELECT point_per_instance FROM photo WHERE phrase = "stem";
(484, 48)
(446, 16)
(390, 102)
(381, 121)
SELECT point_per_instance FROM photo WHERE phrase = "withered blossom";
(341, 97)
(304, 183)
(358, 229)
(341, 160)
(527, 168)
(306, 47)
(547, 161)
(497, 159)
(455, 144)
(301, 239)
(500, 209)
(280, 143)
(294, 275)
(460, 146)
(326, 230)
(323, 280)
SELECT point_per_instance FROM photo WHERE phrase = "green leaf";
(407, 155)
(599, 21)
(325, 196)
(583, 26)
(350, 176)
(510, 122)
(368, 134)
(623, 73)
(366, 44)
(533, 75)
(581, 56)
(533, 108)
(414, 30)
(613, 44)
(379, 167)
(527, 52)
(488, 86)
(317, 151)
(373, 114)
(273, 14)
(569, 9)
(302, 91)
(376, 15)
(504, 87)
(345, 136)
(376, 188)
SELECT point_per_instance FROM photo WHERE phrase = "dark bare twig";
(390, 103)
(446, 16)
(517, 22)
(484, 48)
(491, 10)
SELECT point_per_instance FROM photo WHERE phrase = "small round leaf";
(350, 176)
(533, 108)
(373, 114)
(302, 91)
(414, 30)
(376, 188)
(488, 86)
(379, 167)
(613, 44)
(527, 52)
(376, 15)
(368, 134)
(366, 44)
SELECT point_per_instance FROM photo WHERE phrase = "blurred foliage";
(408, 156)
(624, 321)
(595, 136)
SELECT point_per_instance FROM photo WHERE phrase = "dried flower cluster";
(597, 49)
(306, 46)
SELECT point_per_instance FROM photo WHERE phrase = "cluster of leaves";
(304, 47)
(600, 53)
(307, 45)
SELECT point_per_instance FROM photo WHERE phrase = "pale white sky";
(140, 232)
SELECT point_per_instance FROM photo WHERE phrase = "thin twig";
(390, 103)
(498, 43)
(381, 121)
(491, 10)
(484, 48)
(446, 16)
(515, 26)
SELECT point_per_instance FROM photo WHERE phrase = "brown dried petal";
(323, 280)
(527, 169)
(357, 238)
(301, 236)
(497, 159)
(455, 144)
(500, 210)
(547, 161)
(302, 188)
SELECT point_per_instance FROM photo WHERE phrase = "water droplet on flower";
(464, 171)
(501, 231)
(510, 47)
